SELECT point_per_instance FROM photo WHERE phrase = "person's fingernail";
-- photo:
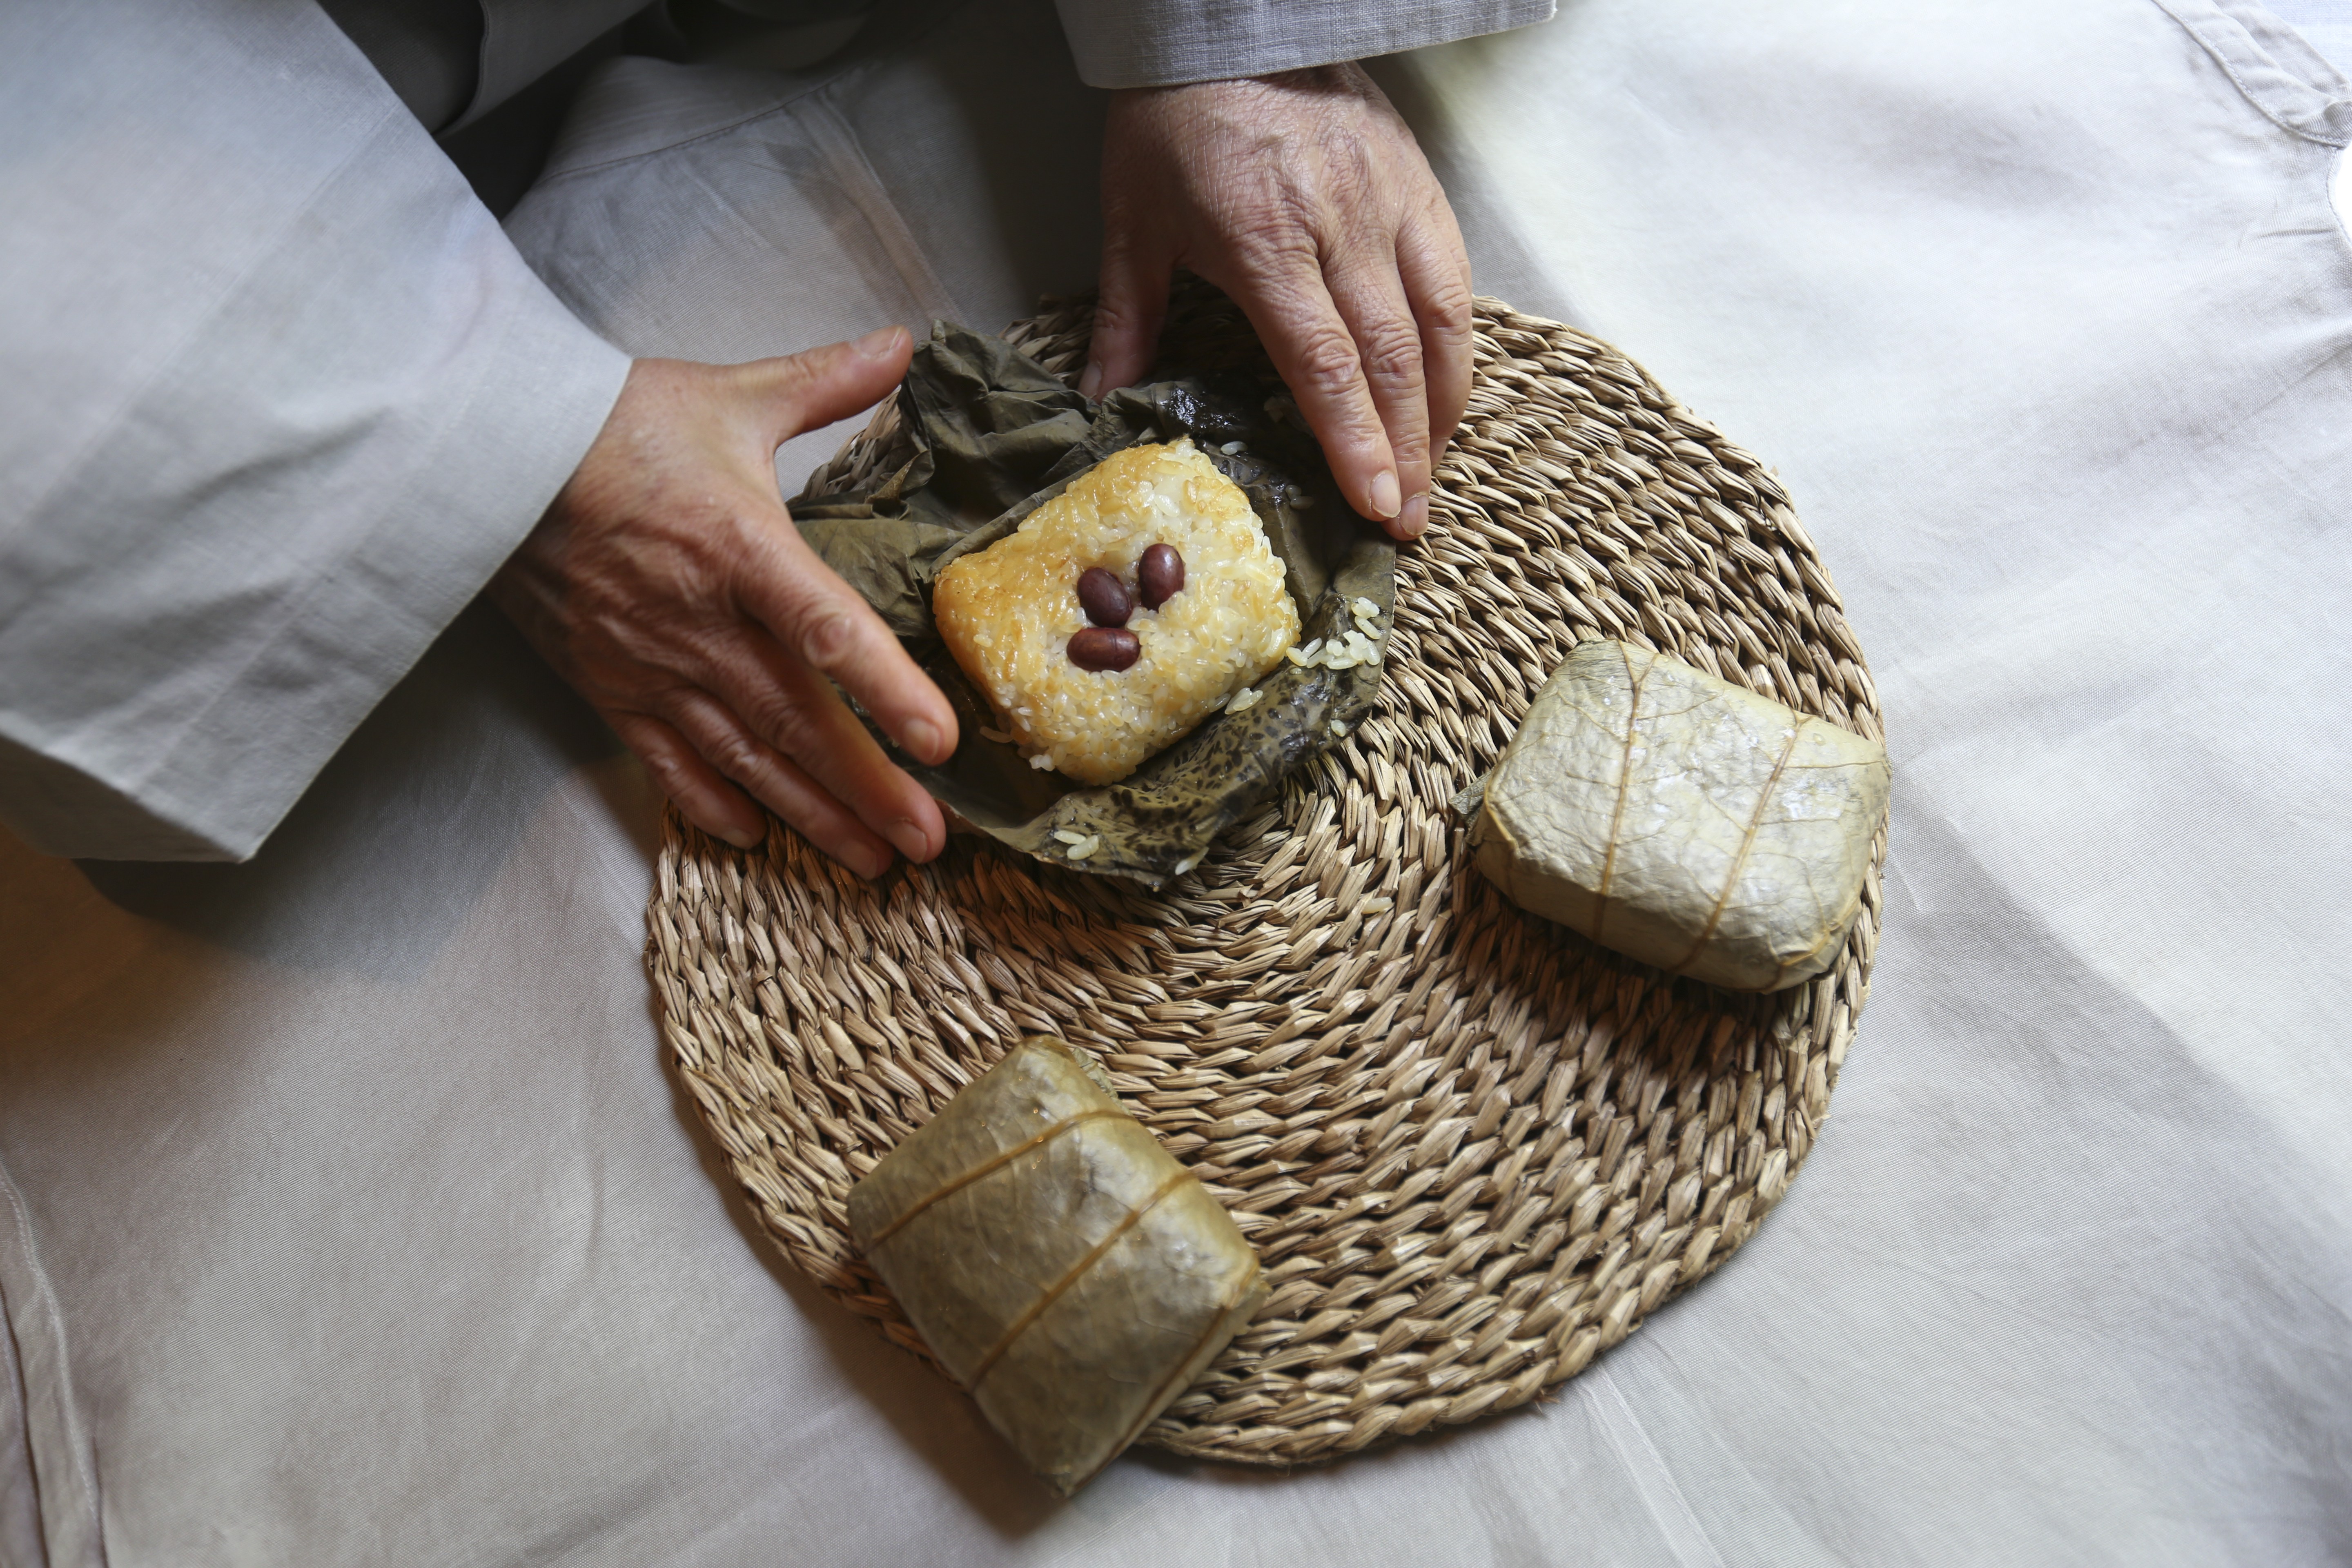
(1415, 517)
(1386, 497)
(741, 839)
(1090, 383)
(873, 867)
(920, 736)
(911, 840)
(880, 343)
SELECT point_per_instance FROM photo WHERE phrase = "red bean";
(1159, 574)
(1104, 647)
(1107, 603)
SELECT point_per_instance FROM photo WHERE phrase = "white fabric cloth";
(348, 1216)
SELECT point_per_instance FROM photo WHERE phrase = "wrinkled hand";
(668, 584)
(1304, 197)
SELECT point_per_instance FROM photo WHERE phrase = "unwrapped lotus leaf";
(1055, 1258)
(994, 435)
(1683, 821)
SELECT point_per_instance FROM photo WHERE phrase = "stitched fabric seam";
(1662, 1495)
(845, 155)
(45, 1303)
(2214, 49)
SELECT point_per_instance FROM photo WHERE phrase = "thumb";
(1128, 314)
(803, 392)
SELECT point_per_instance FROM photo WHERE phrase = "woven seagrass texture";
(1473, 1149)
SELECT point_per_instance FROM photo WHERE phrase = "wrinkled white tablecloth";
(346, 1216)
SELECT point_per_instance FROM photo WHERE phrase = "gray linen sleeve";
(1160, 43)
(278, 397)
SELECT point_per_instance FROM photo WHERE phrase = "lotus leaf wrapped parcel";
(1683, 821)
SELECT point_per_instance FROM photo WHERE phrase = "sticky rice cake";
(1007, 612)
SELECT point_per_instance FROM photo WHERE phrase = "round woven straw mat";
(1473, 1149)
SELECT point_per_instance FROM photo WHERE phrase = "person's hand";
(668, 584)
(1304, 197)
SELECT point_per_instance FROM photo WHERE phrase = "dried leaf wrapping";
(994, 435)
(1683, 821)
(1055, 1258)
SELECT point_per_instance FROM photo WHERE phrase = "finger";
(693, 785)
(1129, 311)
(1370, 298)
(1436, 271)
(817, 618)
(802, 392)
(797, 713)
(1316, 355)
(780, 783)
